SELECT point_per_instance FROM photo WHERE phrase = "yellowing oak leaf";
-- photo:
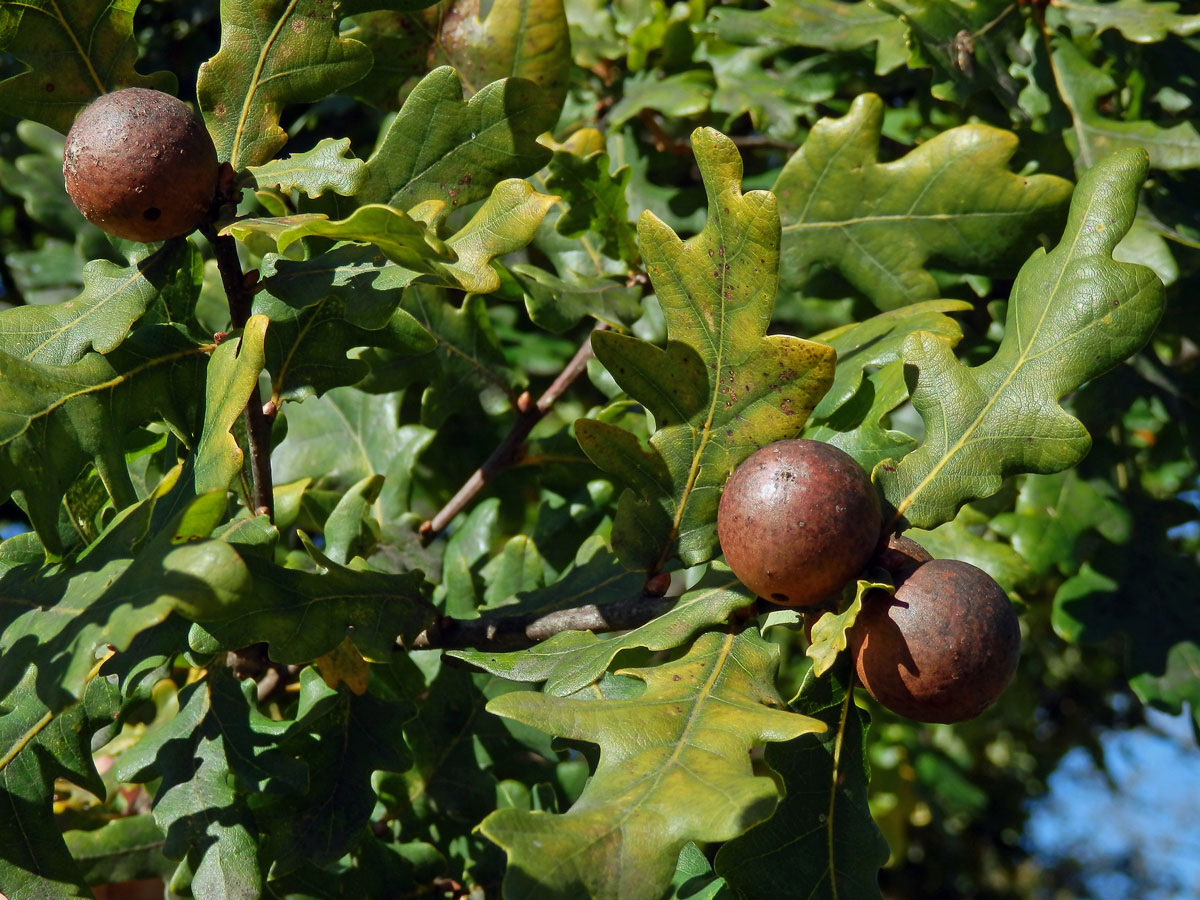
(687, 776)
(722, 387)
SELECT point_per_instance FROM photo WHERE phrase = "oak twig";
(512, 447)
(239, 292)
(519, 632)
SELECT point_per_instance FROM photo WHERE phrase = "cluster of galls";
(800, 519)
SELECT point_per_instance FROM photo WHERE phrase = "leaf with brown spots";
(75, 52)
(721, 388)
(273, 52)
(687, 775)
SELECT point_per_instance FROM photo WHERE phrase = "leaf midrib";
(256, 80)
(1018, 365)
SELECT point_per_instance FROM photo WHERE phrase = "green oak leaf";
(780, 99)
(571, 660)
(688, 776)
(351, 523)
(444, 148)
(966, 42)
(860, 426)
(1053, 513)
(878, 341)
(301, 615)
(58, 617)
(367, 286)
(56, 419)
(37, 178)
(321, 428)
(821, 843)
(273, 52)
(1141, 21)
(113, 298)
(402, 239)
(216, 742)
(824, 24)
(310, 350)
(344, 739)
(879, 224)
(829, 632)
(1177, 684)
(722, 388)
(468, 368)
(325, 167)
(75, 51)
(232, 380)
(852, 414)
(36, 747)
(121, 849)
(1074, 313)
(506, 221)
(518, 38)
(559, 304)
(678, 96)
(596, 201)
(1093, 136)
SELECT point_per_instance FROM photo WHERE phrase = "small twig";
(663, 142)
(518, 632)
(239, 291)
(511, 449)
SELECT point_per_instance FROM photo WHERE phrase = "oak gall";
(943, 648)
(797, 520)
(140, 164)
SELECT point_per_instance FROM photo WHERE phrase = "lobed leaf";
(468, 368)
(1141, 21)
(444, 148)
(121, 849)
(571, 660)
(273, 52)
(687, 777)
(829, 635)
(216, 743)
(99, 318)
(56, 618)
(75, 51)
(518, 38)
(821, 842)
(1093, 136)
(505, 222)
(323, 168)
(951, 199)
(722, 388)
(596, 201)
(344, 739)
(1073, 314)
(859, 426)
(232, 381)
(54, 420)
(1053, 513)
(302, 616)
(321, 429)
(34, 860)
(824, 24)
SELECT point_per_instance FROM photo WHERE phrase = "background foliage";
(934, 234)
